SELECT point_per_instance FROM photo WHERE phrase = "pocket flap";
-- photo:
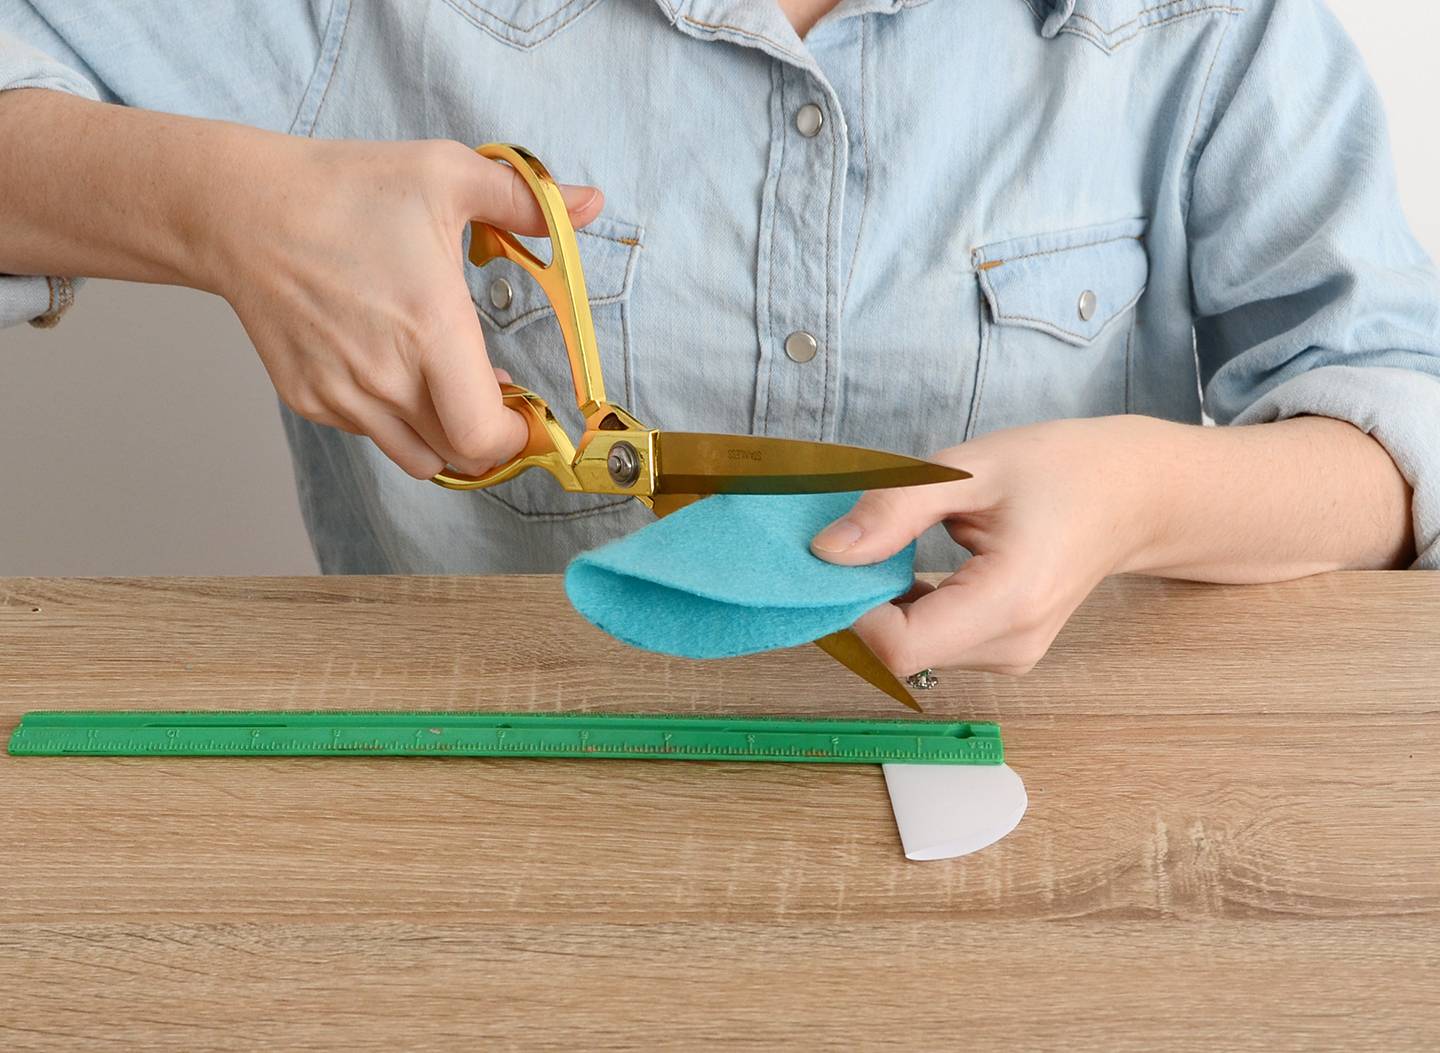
(608, 248)
(1070, 284)
(521, 23)
(1108, 24)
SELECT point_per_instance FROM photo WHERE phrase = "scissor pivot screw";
(624, 464)
(923, 680)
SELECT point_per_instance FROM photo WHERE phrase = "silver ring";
(923, 680)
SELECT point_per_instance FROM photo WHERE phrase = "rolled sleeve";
(40, 300)
(22, 66)
(1311, 294)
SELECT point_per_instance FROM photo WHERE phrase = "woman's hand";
(342, 258)
(1049, 512)
(343, 261)
(1053, 508)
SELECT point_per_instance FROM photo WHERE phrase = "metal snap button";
(801, 346)
(500, 294)
(809, 119)
(1087, 305)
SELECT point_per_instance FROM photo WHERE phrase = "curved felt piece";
(730, 575)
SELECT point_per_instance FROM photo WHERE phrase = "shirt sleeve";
(260, 64)
(40, 300)
(1311, 294)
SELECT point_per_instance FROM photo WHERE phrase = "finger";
(882, 522)
(465, 392)
(414, 404)
(955, 625)
(916, 590)
(495, 193)
(425, 422)
(403, 395)
(398, 441)
(333, 420)
(340, 424)
(306, 403)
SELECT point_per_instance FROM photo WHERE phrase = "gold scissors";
(664, 470)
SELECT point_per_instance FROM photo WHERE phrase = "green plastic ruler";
(598, 735)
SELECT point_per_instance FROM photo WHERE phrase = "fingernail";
(838, 536)
(578, 198)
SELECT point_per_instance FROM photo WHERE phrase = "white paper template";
(948, 810)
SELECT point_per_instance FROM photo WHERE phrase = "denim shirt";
(985, 212)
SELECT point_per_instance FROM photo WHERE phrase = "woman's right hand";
(343, 261)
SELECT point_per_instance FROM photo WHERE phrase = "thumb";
(880, 524)
(496, 194)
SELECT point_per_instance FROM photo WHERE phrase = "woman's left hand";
(1051, 510)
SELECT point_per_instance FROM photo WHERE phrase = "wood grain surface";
(1233, 839)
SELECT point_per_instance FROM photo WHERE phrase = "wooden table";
(1233, 839)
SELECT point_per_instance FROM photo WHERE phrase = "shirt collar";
(761, 23)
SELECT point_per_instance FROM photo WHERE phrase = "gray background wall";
(141, 435)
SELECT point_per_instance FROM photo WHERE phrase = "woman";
(1034, 233)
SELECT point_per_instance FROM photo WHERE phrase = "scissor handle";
(596, 467)
(547, 446)
(562, 279)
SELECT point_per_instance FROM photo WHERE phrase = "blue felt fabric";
(730, 575)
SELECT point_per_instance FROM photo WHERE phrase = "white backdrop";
(141, 436)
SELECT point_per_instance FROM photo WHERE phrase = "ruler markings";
(580, 735)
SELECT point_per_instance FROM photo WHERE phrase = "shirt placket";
(798, 290)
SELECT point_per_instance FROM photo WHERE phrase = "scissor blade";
(854, 654)
(701, 463)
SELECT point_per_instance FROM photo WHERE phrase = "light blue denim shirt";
(1010, 211)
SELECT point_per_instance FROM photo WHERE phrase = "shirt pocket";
(522, 24)
(1057, 318)
(523, 338)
